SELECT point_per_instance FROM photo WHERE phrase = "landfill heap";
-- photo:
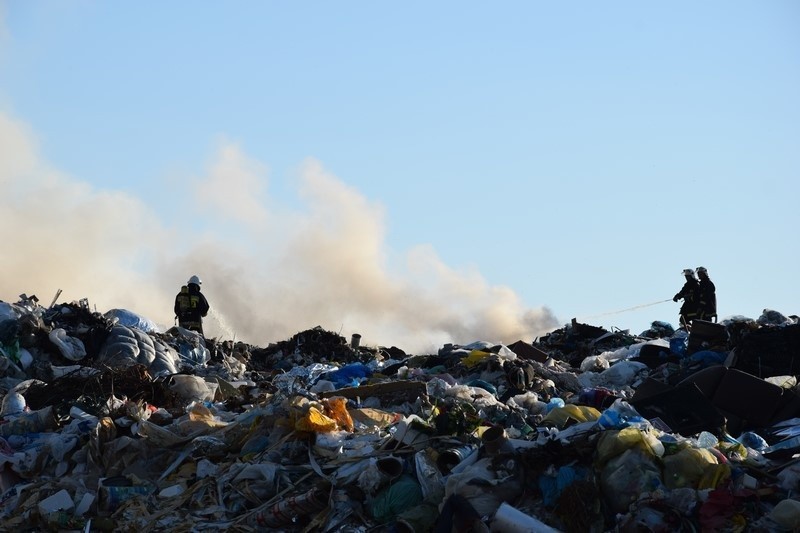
(110, 425)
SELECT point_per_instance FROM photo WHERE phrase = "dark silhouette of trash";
(683, 410)
(526, 350)
(654, 355)
(706, 335)
(768, 351)
(355, 341)
(746, 401)
(388, 393)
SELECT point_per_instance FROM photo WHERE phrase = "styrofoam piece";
(60, 501)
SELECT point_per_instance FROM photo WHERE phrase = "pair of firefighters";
(699, 297)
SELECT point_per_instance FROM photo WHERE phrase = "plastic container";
(508, 519)
(391, 467)
(287, 511)
(13, 403)
(450, 458)
(495, 440)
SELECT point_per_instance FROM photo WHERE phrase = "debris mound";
(107, 424)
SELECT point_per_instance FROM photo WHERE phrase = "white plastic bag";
(70, 347)
(193, 388)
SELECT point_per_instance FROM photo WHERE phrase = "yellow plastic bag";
(714, 476)
(474, 357)
(559, 416)
(315, 421)
(689, 467)
(614, 442)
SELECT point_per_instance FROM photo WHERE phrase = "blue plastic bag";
(678, 343)
(349, 375)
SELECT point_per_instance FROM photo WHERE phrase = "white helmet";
(195, 280)
(688, 272)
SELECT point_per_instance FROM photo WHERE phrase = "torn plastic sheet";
(131, 320)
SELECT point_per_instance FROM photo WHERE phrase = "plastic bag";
(627, 477)
(398, 497)
(612, 443)
(621, 414)
(474, 357)
(552, 486)
(349, 375)
(370, 477)
(429, 476)
(132, 320)
(559, 416)
(193, 388)
(678, 343)
(336, 408)
(786, 514)
(315, 421)
(70, 347)
(594, 363)
(708, 357)
(688, 467)
(254, 445)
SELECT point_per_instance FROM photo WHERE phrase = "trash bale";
(769, 351)
(126, 347)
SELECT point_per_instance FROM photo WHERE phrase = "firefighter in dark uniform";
(689, 294)
(707, 296)
(191, 306)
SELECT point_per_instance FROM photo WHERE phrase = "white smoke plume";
(268, 271)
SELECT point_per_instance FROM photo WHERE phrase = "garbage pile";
(107, 424)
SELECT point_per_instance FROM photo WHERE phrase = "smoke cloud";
(268, 270)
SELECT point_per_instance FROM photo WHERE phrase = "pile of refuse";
(108, 424)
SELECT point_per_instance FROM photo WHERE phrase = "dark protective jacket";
(190, 307)
(690, 295)
(707, 299)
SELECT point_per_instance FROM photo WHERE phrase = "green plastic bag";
(400, 496)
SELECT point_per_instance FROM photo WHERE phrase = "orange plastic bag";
(336, 408)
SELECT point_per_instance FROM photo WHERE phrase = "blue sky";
(420, 173)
